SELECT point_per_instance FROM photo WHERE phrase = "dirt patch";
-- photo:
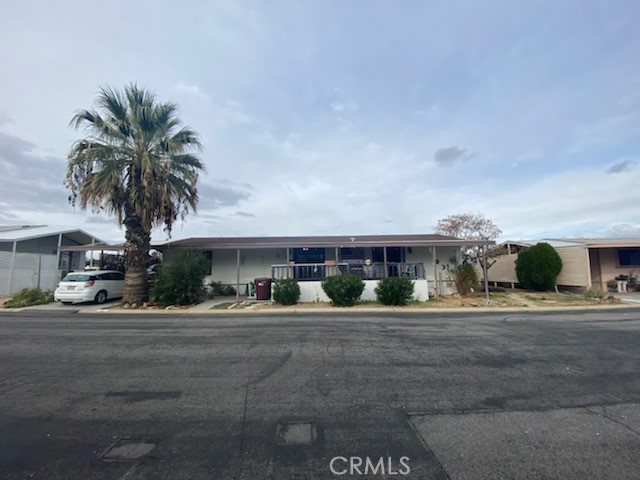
(510, 299)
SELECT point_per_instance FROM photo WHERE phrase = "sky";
(343, 117)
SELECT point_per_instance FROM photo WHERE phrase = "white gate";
(27, 270)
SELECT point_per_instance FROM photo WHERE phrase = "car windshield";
(76, 277)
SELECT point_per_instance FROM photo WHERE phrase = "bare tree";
(469, 226)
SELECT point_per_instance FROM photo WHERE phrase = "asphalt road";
(435, 396)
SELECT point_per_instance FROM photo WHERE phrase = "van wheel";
(101, 296)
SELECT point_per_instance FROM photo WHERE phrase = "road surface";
(424, 396)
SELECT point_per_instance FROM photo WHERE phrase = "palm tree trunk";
(136, 258)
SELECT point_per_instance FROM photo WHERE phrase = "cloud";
(224, 194)
(191, 91)
(344, 106)
(101, 220)
(623, 166)
(30, 181)
(624, 230)
(451, 155)
(245, 215)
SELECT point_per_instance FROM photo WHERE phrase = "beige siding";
(503, 270)
(574, 268)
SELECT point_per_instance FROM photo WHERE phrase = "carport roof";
(413, 240)
(19, 233)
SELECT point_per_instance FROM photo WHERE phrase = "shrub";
(181, 283)
(538, 267)
(286, 292)
(344, 291)
(217, 288)
(595, 293)
(394, 291)
(465, 278)
(27, 297)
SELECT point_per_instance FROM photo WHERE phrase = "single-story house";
(30, 255)
(240, 261)
(586, 262)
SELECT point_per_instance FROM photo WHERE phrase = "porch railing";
(319, 271)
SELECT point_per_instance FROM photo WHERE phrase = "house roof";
(19, 233)
(414, 240)
(579, 242)
(605, 242)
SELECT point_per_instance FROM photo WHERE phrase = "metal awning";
(223, 243)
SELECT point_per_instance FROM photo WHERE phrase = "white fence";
(27, 270)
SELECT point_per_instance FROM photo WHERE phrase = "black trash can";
(263, 289)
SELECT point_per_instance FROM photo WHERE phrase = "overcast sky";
(344, 117)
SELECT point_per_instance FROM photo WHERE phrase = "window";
(629, 257)
(352, 253)
(78, 277)
(208, 255)
(308, 255)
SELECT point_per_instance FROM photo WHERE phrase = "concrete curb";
(331, 310)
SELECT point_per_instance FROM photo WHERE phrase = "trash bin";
(263, 289)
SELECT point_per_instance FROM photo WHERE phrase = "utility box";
(263, 289)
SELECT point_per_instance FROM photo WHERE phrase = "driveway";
(632, 297)
(70, 308)
(443, 395)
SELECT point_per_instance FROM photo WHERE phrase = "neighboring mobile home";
(30, 255)
(586, 262)
(239, 261)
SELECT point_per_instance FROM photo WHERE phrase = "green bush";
(465, 278)
(27, 297)
(217, 288)
(595, 293)
(344, 291)
(394, 291)
(286, 292)
(181, 282)
(538, 267)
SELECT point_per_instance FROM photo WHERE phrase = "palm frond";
(136, 158)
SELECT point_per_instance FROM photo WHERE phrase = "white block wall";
(312, 291)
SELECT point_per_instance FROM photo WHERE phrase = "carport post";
(436, 292)
(39, 270)
(237, 275)
(13, 266)
(384, 256)
(93, 241)
(484, 272)
(58, 258)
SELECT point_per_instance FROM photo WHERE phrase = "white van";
(92, 286)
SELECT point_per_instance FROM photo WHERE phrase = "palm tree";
(137, 162)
